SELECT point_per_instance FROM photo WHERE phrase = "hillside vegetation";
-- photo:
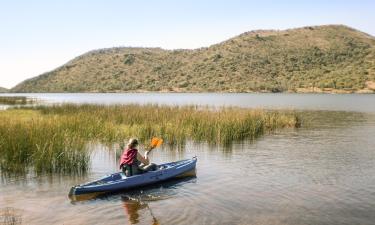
(322, 58)
(3, 90)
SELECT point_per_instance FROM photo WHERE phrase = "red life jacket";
(128, 156)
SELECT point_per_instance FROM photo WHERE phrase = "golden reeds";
(15, 100)
(54, 138)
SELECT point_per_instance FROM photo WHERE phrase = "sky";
(37, 36)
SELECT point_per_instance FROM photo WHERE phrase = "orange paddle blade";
(159, 142)
(156, 142)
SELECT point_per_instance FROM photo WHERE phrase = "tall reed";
(46, 144)
(53, 138)
(15, 100)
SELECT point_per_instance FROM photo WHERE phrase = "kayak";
(118, 181)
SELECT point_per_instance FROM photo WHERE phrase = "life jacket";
(128, 157)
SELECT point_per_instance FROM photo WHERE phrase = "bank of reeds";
(15, 100)
(53, 138)
(47, 144)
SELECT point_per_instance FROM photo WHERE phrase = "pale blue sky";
(38, 36)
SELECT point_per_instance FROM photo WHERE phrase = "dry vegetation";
(311, 58)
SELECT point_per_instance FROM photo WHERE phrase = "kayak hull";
(118, 181)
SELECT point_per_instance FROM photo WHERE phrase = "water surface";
(340, 102)
(321, 173)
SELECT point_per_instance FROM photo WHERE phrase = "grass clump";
(54, 138)
(28, 139)
(15, 100)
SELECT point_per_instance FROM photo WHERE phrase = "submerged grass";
(54, 138)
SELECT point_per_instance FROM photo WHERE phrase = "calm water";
(322, 173)
(348, 102)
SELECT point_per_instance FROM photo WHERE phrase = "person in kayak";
(132, 162)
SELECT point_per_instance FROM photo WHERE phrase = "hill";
(3, 90)
(331, 58)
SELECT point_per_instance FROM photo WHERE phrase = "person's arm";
(143, 159)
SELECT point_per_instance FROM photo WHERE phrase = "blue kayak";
(118, 181)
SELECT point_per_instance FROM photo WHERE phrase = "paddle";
(155, 142)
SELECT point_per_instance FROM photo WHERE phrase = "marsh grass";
(54, 138)
(15, 100)
(46, 144)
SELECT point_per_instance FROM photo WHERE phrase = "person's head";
(133, 143)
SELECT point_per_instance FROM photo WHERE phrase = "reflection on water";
(321, 173)
(10, 216)
(131, 208)
(136, 202)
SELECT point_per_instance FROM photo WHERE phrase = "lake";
(321, 173)
(336, 102)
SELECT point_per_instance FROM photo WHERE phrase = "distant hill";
(331, 58)
(3, 90)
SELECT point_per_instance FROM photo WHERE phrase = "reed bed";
(54, 138)
(27, 139)
(15, 100)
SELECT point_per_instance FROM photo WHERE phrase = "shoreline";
(298, 91)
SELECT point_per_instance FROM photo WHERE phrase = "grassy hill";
(322, 58)
(3, 90)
